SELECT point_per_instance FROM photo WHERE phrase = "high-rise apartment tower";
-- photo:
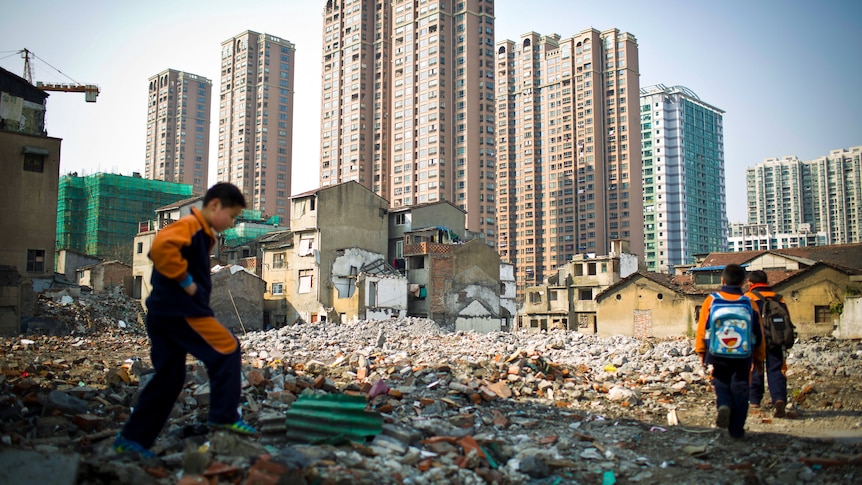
(568, 149)
(408, 102)
(682, 146)
(824, 194)
(255, 133)
(178, 129)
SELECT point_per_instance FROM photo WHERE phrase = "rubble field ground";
(461, 408)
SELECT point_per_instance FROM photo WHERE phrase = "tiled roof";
(679, 284)
(180, 203)
(844, 255)
(723, 259)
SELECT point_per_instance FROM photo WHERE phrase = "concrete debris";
(457, 407)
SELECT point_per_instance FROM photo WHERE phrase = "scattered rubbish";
(696, 451)
(672, 418)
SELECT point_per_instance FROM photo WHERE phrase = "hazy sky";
(787, 73)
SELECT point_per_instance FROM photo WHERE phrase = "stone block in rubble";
(202, 394)
(384, 444)
(404, 434)
(500, 389)
(24, 466)
(255, 378)
(90, 422)
(622, 394)
(271, 422)
(65, 403)
(82, 392)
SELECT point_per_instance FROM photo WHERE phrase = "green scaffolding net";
(99, 214)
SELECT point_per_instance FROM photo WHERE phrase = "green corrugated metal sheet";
(331, 418)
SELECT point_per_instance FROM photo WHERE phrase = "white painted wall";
(477, 324)
(850, 322)
(628, 264)
(391, 293)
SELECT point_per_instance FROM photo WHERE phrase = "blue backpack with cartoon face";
(729, 327)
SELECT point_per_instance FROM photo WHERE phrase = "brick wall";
(643, 323)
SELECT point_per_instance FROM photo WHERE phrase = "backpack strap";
(760, 298)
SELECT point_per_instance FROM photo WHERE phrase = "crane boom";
(91, 91)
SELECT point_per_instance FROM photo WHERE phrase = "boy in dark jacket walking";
(180, 321)
(776, 365)
(730, 376)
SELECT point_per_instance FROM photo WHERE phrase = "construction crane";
(91, 91)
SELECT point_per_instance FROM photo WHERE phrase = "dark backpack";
(778, 330)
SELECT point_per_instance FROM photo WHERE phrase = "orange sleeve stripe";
(700, 336)
(165, 252)
(214, 333)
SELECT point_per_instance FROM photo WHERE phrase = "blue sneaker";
(123, 445)
(238, 427)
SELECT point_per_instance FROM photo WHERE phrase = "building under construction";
(99, 214)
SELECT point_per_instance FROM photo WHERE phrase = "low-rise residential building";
(568, 299)
(442, 216)
(451, 283)
(29, 174)
(104, 276)
(325, 223)
(274, 249)
(68, 262)
(814, 281)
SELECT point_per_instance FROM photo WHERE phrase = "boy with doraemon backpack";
(730, 338)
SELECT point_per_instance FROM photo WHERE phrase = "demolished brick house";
(68, 262)
(455, 284)
(324, 224)
(104, 276)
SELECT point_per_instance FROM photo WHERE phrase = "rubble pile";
(556, 407)
(62, 314)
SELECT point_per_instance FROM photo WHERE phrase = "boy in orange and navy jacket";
(180, 321)
(730, 377)
(776, 365)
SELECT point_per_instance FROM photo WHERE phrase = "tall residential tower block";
(408, 106)
(824, 193)
(685, 207)
(568, 158)
(255, 132)
(178, 128)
